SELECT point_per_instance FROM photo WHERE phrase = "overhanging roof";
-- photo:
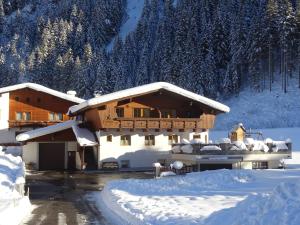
(146, 89)
(26, 136)
(38, 87)
(84, 136)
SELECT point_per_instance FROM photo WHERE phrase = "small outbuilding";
(238, 133)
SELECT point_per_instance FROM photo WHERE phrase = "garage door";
(215, 166)
(51, 156)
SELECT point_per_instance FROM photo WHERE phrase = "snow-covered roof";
(41, 88)
(46, 130)
(146, 89)
(84, 136)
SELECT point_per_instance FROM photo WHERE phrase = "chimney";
(72, 93)
(97, 93)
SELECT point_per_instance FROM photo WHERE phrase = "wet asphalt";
(59, 198)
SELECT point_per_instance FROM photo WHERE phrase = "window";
(173, 139)
(51, 116)
(27, 99)
(168, 113)
(120, 112)
(19, 115)
(197, 136)
(125, 140)
(55, 116)
(59, 116)
(259, 165)
(141, 113)
(149, 140)
(109, 138)
(27, 116)
(23, 115)
(17, 99)
(125, 163)
(39, 100)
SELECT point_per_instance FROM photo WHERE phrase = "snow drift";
(13, 204)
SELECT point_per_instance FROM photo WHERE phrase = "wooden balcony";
(159, 123)
(31, 123)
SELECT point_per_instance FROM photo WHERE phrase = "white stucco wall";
(30, 153)
(138, 154)
(4, 110)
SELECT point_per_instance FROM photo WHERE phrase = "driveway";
(58, 197)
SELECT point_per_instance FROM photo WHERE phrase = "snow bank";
(281, 206)
(170, 200)
(13, 204)
(227, 197)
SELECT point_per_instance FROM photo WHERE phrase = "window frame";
(258, 165)
(172, 140)
(109, 138)
(120, 112)
(150, 140)
(126, 141)
(19, 113)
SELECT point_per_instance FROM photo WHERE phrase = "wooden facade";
(159, 110)
(39, 105)
(61, 136)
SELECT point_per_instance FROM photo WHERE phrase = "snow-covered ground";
(229, 197)
(263, 109)
(134, 11)
(13, 205)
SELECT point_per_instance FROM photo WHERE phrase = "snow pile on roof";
(260, 146)
(249, 141)
(210, 148)
(187, 149)
(41, 88)
(176, 149)
(240, 145)
(145, 89)
(46, 130)
(13, 205)
(84, 136)
(279, 145)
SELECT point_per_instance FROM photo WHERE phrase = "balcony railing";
(28, 123)
(159, 123)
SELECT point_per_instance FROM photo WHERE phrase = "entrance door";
(72, 160)
(90, 158)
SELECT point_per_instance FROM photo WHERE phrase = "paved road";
(58, 197)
